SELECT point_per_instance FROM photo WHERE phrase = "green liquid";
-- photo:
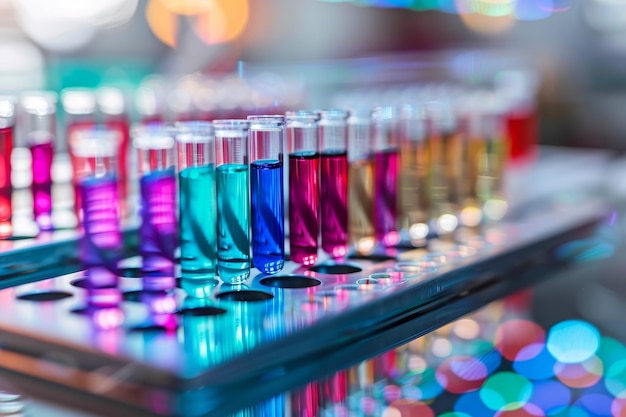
(198, 222)
(233, 222)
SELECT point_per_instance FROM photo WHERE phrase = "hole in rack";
(374, 257)
(132, 296)
(149, 328)
(202, 311)
(130, 272)
(45, 296)
(336, 269)
(80, 283)
(290, 281)
(245, 295)
(14, 238)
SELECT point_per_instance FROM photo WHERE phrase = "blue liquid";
(233, 222)
(268, 218)
(198, 222)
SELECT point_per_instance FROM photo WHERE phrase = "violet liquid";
(334, 198)
(158, 231)
(303, 206)
(386, 170)
(41, 187)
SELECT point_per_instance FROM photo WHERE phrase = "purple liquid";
(334, 197)
(101, 244)
(158, 231)
(303, 206)
(386, 166)
(42, 184)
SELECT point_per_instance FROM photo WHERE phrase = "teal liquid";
(198, 222)
(233, 222)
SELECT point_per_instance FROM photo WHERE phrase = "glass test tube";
(333, 135)
(413, 196)
(302, 145)
(38, 127)
(233, 200)
(7, 126)
(267, 192)
(361, 184)
(447, 159)
(197, 200)
(386, 171)
(158, 234)
(79, 106)
(95, 150)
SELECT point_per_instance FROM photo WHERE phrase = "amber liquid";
(413, 196)
(361, 206)
(486, 160)
(446, 157)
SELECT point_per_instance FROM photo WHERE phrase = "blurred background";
(577, 46)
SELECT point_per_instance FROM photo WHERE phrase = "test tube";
(302, 145)
(267, 192)
(95, 150)
(413, 196)
(197, 200)
(38, 127)
(386, 172)
(7, 126)
(155, 145)
(361, 184)
(233, 200)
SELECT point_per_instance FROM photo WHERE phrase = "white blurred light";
(471, 216)
(447, 222)
(111, 100)
(466, 329)
(78, 101)
(441, 347)
(418, 231)
(495, 209)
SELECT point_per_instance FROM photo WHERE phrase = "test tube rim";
(166, 136)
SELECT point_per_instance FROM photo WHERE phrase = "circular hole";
(336, 269)
(149, 328)
(290, 281)
(130, 272)
(374, 257)
(245, 295)
(80, 283)
(202, 311)
(133, 296)
(45, 296)
(380, 275)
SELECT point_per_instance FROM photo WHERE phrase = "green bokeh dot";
(506, 391)
(615, 379)
(610, 351)
(454, 414)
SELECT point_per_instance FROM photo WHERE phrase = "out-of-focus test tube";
(79, 106)
(386, 172)
(112, 104)
(233, 200)
(413, 195)
(446, 157)
(158, 236)
(197, 202)
(302, 144)
(333, 135)
(95, 150)
(267, 192)
(38, 127)
(361, 184)
(7, 126)
(150, 100)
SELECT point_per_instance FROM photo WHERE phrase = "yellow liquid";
(361, 205)
(446, 157)
(413, 196)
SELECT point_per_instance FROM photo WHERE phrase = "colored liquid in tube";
(386, 170)
(233, 221)
(304, 206)
(158, 231)
(333, 195)
(268, 238)
(41, 186)
(198, 234)
(522, 132)
(102, 240)
(122, 126)
(6, 207)
(413, 191)
(361, 205)
(75, 131)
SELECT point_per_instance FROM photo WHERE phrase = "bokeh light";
(506, 391)
(618, 407)
(460, 374)
(539, 365)
(579, 375)
(514, 335)
(472, 404)
(162, 22)
(528, 410)
(551, 396)
(533, 9)
(488, 25)
(573, 341)
(615, 380)
(224, 22)
(596, 404)
(187, 7)
(571, 411)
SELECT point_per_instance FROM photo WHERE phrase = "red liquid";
(386, 170)
(6, 210)
(120, 123)
(41, 186)
(523, 134)
(306, 401)
(303, 207)
(334, 198)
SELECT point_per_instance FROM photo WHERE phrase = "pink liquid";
(386, 169)
(306, 401)
(6, 208)
(303, 206)
(41, 186)
(334, 198)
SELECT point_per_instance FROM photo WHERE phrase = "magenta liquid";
(334, 197)
(158, 235)
(101, 245)
(386, 166)
(303, 206)
(41, 186)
